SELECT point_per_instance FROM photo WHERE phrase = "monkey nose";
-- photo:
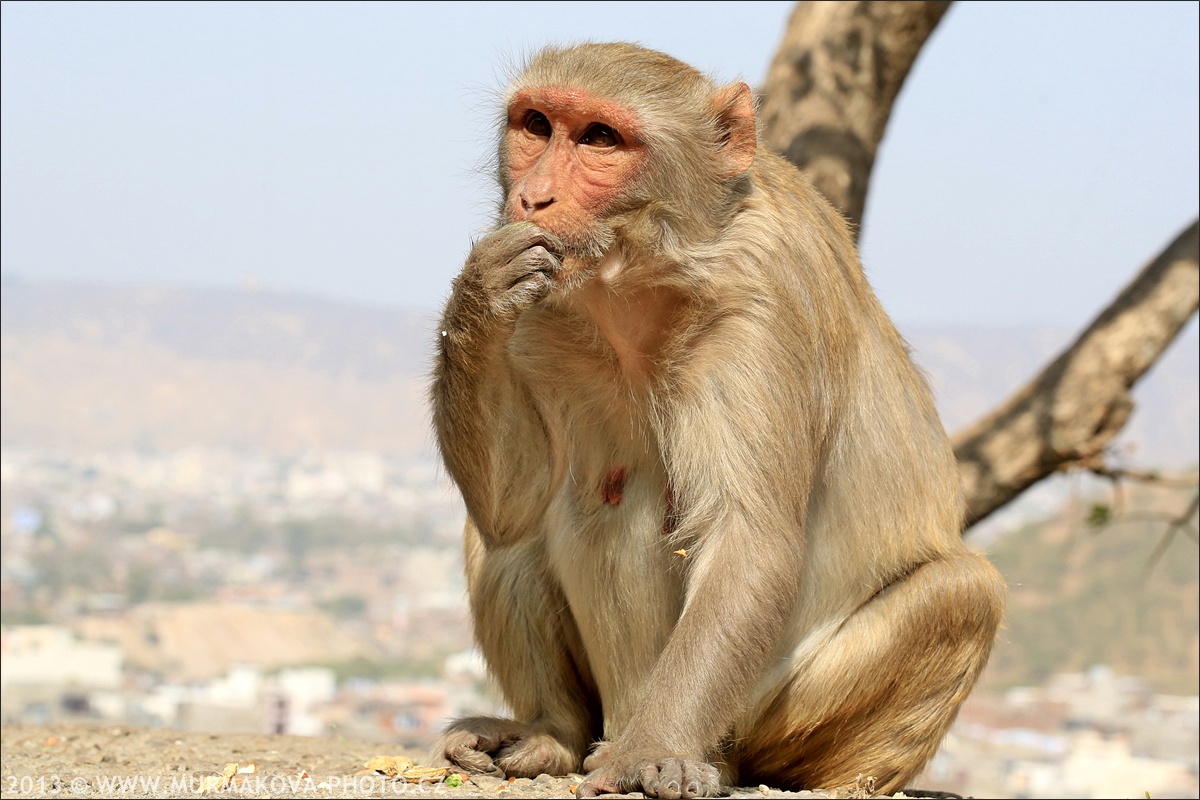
(531, 204)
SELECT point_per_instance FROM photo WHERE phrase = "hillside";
(158, 368)
(1080, 596)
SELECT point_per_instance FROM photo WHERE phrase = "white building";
(49, 655)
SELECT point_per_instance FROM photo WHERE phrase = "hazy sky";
(1040, 152)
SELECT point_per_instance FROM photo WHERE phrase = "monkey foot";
(503, 747)
(666, 778)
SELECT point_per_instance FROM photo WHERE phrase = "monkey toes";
(484, 745)
(666, 778)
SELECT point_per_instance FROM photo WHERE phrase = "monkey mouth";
(587, 246)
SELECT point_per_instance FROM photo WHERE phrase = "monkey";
(714, 523)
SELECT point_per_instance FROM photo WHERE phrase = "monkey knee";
(966, 597)
(943, 600)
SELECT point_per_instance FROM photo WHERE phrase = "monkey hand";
(512, 268)
(503, 747)
(666, 777)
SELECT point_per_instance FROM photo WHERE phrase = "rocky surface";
(122, 762)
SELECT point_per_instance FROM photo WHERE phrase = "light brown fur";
(705, 349)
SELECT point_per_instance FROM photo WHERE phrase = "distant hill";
(161, 367)
(265, 328)
(199, 641)
(158, 368)
(1079, 596)
(972, 369)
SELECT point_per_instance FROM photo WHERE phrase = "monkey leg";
(875, 697)
(527, 633)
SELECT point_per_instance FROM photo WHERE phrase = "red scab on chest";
(613, 487)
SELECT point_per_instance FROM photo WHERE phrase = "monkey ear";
(734, 107)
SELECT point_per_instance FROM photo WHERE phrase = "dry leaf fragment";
(418, 774)
(210, 783)
(391, 766)
(681, 553)
(231, 769)
(572, 788)
(249, 769)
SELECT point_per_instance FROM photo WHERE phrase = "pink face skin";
(570, 154)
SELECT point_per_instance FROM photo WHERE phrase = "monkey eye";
(600, 136)
(537, 124)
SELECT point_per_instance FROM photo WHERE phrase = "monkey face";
(570, 156)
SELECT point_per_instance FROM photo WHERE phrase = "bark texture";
(825, 106)
(830, 89)
(1070, 413)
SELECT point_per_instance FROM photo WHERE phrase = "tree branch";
(1070, 412)
(1151, 477)
(826, 102)
(830, 89)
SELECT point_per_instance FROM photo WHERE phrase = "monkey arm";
(740, 595)
(743, 483)
(491, 436)
(478, 413)
(739, 601)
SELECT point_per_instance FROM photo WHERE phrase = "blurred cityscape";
(206, 591)
(323, 595)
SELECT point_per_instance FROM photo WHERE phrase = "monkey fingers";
(468, 750)
(538, 237)
(513, 260)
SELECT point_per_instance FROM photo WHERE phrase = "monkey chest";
(607, 546)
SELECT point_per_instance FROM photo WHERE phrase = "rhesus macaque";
(714, 521)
